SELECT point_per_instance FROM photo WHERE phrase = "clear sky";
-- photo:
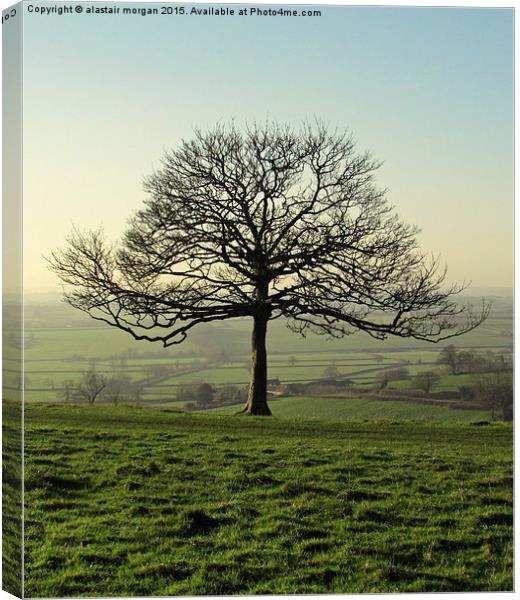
(427, 90)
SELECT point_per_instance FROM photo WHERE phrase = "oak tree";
(264, 222)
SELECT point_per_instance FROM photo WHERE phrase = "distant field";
(362, 408)
(447, 383)
(128, 501)
(61, 344)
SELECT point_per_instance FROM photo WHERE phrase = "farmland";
(133, 501)
(62, 344)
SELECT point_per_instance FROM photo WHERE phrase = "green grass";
(37, 380)
(123, 501)
(103, 342)
(100, 342)
(12, 496)
(447, 383)
(363, 408)
(453, 382)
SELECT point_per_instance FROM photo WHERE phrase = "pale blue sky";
(428, 91)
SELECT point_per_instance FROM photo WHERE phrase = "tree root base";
(256, 411)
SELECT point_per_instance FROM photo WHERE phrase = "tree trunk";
(257, 395)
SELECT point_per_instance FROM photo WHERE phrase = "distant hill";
(501, 292)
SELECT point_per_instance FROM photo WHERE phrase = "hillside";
(129, 501)
(362, 408)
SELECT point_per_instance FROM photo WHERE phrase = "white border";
(459, 3)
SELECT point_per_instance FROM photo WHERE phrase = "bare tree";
(67, 390)
(495, 391)
(426, 380)
(136, 392)
(205, 394)
(386, 376)
(449, 356)
(89, 387)
(331, 371)
(264, 223)
(118, 388)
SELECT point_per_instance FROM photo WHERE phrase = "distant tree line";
(385, 377)
(492, 390)
(492, 387)
(205, 395)
(93, 387)
(459, 362)
(495, 392)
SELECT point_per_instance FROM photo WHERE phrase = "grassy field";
(129, 501)
(12, 497)
(362, 408)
